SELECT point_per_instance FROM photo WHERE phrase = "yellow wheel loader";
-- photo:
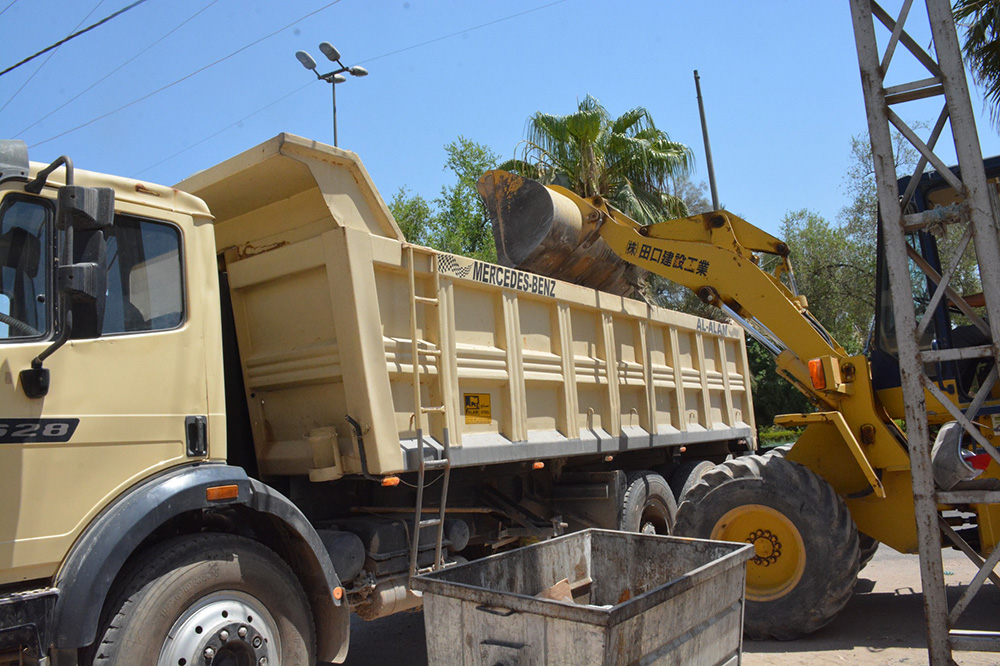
(816, 511)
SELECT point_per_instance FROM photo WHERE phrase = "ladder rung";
(426, 300)
(429, 352)
(975, 641)
(430, 522)
(437, 464)
(428, 410)
(968, 497)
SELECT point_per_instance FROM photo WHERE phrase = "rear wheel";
(685, 475)
(648, 505)
(207, 599)
(805, 543)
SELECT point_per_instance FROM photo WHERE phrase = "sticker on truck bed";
(498, 276)
(477, 408)
(32, 431)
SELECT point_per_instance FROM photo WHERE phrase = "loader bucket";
(539, 230)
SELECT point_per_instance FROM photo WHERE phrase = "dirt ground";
(882, 624)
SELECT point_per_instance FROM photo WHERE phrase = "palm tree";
(626, 160)
(981, 22)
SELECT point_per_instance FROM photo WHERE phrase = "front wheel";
(648, 505)
(207, 599)
(805, 543)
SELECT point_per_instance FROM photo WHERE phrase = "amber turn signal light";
(816, 374)
(216, 493)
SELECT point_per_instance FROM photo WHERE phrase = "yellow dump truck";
(236, 410)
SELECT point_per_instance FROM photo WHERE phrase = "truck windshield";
(24, 280)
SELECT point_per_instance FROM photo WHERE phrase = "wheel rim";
(654, 518)
(779, 551)
(227, 628)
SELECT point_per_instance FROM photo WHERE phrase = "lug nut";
(224, 635)
(242, 632)
(262, 661)
(257, 641)
(209, 654)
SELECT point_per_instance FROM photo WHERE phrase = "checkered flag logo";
(450, 264)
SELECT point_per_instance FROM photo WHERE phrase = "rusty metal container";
(637, 599)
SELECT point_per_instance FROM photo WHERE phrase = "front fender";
(99, 554)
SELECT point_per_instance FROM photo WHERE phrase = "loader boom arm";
(716, 255)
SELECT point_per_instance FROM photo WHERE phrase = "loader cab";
(948, 328)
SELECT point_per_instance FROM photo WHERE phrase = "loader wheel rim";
(779, 551)
(226, 628)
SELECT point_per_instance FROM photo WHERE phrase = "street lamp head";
(330, 51)
(306, 60)
(358, 71)
(339, 78)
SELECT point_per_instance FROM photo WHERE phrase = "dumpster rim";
(432, 583)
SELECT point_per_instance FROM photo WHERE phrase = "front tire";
(648, 505)
(207, 595)
(805, 542)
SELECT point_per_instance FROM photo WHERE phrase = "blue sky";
(780, 81)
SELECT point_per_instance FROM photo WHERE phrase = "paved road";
(881, 625)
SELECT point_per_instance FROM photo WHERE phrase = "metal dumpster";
(636, 599)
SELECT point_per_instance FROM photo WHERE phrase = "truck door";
(116, 407)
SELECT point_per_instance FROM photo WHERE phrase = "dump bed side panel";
(330, 315)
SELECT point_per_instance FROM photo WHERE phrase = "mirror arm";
(35, 186)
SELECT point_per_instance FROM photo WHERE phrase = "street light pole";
(334, 77)
(333, 87)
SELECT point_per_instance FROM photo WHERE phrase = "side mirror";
(83, 214)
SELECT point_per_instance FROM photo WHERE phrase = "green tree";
(626, 160)
(455, 221)
(980, 20)
(832, 271)
(413, 215)
(461, 225)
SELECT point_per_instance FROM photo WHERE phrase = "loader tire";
(648, 505)
(686, 474)
(867, 547)
(805, 542)
(206, 598)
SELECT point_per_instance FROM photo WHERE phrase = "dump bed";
(330, 303)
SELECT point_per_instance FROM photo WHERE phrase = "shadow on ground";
(875, 621)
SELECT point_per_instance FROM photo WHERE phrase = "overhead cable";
(44, 62)
(7, 7)
(73, 36)
(183, 78)
(116, 69)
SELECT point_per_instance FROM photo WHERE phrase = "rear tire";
(648, 505)
(685, 475)
(806, 544)
(204, 594)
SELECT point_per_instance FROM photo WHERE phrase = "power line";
(73, 36)
(7, 7)
(455, 34)
(45, 62)
(227, 127)
(116, 69)
(183, 78)
(384, 55)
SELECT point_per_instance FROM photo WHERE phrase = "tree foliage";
(980, 20)
(455, 221)
(627, 160)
